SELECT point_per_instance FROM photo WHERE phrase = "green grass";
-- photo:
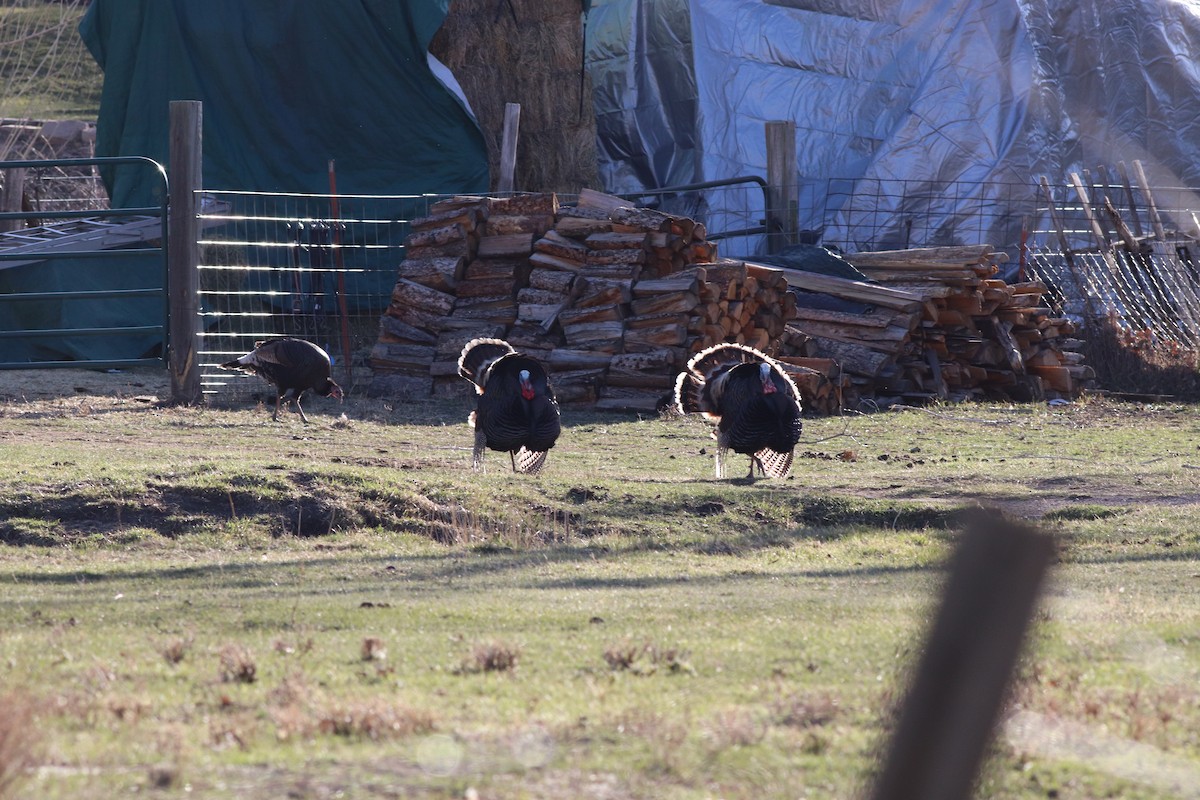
(201, 599)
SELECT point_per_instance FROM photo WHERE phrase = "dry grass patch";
(647, 658)
(20, 740)
(237, 664)
(490, 656)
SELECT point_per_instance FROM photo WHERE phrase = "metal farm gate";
(104, 243)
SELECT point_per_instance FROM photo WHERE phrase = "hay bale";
(528, 52)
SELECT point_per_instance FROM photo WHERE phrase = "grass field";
(201, 601)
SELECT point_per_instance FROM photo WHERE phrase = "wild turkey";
(516, 409)
(293, 365)
(755, 405)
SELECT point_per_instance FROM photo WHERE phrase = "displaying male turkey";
(293, 365)
(755, 405)
(516, 409)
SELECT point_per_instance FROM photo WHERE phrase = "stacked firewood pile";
(937, 324)
(616, 299)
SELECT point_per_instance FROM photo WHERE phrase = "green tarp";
(286, 87)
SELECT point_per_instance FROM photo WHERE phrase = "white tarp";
(930, 96)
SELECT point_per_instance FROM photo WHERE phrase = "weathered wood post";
(956, 696)
(11, 195)
(183, 250)
(508, 148)
(782, 212)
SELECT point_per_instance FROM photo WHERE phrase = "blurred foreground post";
(956, 695)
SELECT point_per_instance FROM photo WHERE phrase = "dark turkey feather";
(755, 405)
(516, 410)
(294, 366)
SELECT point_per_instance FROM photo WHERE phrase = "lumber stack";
(938, 324)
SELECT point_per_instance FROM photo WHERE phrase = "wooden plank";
(506, 181)
(1097, 231)
(922, 257)
(782, 206)
(841, 287)
(1139, 173)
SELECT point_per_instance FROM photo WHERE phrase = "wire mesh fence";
(320, 267)
(1122, 254)
(323, 267)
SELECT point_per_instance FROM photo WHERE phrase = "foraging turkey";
(293, 365)
(516, 409)
(755, 405)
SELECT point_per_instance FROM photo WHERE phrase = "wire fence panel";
(320, 267)
(1123, 254)
(323, 267)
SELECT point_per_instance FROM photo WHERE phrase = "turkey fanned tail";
(755, 405)
(516, 410)
(477, 358)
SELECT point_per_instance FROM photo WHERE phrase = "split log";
(467, 216)
(674, 302)
(441, 274)
(486, 287)
(562, 359)
(616, 241)
(576, 316)
(462, 247)
(581, 227)
(401, 357)
(393, 330)
(659, 360)
(590, 198)
(655, 337)
(552, 280)
(437, 237)
(541, 204)
(542, 296)
(514, 269)
(548, 261)
(595, 291)
(509, 224)
(625, 256)
(644, 219)
(428, 300)
(509, 245)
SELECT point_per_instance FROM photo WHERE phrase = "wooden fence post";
(782, 212)
(11, 195)
(955, 698)
(183, 250)
(508, 148)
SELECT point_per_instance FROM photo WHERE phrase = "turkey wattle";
(755, 405)
(516, 410)
(292, 365)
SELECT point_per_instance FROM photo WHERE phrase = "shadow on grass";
(431, 574)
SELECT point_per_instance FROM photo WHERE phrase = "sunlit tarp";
(897, 101)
